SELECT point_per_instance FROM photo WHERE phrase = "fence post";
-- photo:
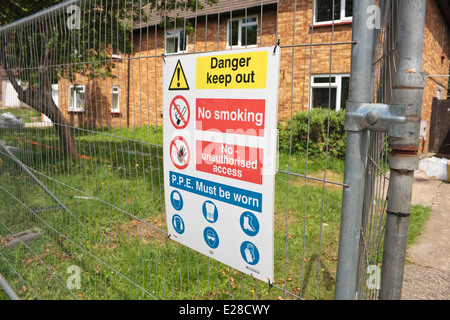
(355, 160)
(9, 291)
(409, 83)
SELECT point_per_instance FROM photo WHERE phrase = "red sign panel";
(228, 160)
(235, 116)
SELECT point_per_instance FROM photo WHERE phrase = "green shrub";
(320, 123)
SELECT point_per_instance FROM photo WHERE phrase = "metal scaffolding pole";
(355, 164)
(409, 83)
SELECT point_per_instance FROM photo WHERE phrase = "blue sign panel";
(236, 196)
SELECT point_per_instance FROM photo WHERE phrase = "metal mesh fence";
(377, 177)
(82, 212)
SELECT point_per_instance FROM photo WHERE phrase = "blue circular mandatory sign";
(177, 200)
(249, 224)
(178, 224)
(211, 237)
(249, 253)
(210, 211)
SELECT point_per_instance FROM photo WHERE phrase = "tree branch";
(15, 8)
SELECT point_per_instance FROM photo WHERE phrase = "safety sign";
(180, 153)
(180, 112)
(245, 115)
(177, 200)
(220, 147)
(179, 81)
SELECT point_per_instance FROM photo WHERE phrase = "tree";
(76, 39)
(39, 52)
(14, 10)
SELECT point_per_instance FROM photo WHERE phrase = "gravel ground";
(427, 273)
(424, 283)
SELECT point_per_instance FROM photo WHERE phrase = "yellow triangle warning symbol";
(179, 81)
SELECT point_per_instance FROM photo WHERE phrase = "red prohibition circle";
(181, 121)
(180, 155)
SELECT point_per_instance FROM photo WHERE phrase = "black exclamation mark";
(178, 77)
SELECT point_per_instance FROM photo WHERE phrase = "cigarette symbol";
(179, 114)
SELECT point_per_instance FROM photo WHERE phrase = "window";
(115, 99)
(440, 93)
(343, 11)
(55, 97)
(242, 32)
(324, 85)
(116, 55)
(176, 41)
(76, 98)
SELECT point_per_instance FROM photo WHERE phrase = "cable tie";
(276, 45)
(399, 214)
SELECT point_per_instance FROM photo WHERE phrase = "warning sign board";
(220, 144)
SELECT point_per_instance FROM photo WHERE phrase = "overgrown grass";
(114, 229)
(3, 295)
(419, 216)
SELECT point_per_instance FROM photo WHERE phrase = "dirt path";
(427, 273)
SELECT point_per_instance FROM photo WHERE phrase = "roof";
(223, 6)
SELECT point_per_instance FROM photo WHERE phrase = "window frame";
(75, 92)
(116, 55)
(241, 25)
(328, 85)
(176, 34)
(343, 18)
(441, 93)
(117, 109)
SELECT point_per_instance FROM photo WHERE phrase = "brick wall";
(98, 99)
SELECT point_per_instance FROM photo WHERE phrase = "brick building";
(133, 97)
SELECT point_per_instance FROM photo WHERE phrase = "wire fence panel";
(377, 176)
(378, 182)
(82, 213)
